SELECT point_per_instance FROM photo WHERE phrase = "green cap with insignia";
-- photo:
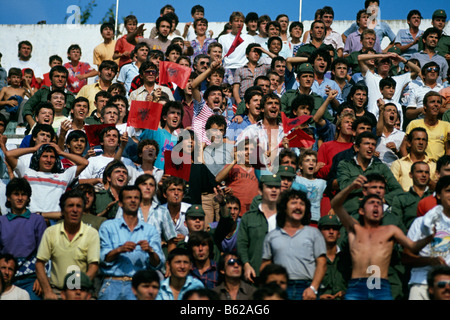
(271, 180)
(286, 171)
(195, 211)
(77, 280)
(395, 49)
(439, 14)
(329, 220)
(305, 68)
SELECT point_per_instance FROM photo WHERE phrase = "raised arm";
(318, 116)
(79, 161)
(131, 37)
(12, 156)
(203, 76)
(337, 203)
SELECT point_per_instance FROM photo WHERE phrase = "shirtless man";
(371, 245)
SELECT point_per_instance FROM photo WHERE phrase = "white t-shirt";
(373, 83)
(97, 166)
(387, 156)
(439, 246)
(238, 58)
(46, 187)
(21, 64)
(15, 293)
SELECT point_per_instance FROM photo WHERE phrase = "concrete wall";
(53, 39)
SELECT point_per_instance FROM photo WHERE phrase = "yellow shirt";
(402, 167)
(104, 52)
(89, 91)
(64, 254)
(437, 136)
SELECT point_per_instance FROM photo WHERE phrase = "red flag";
(144, 115)
(300, 139)
(174, 72)
(182, 170)
(93, 133)
(289, 124)
(237, 41)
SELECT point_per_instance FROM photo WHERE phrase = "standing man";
(105, 50)
(407, 39)
(107, 70)
(237, 58)
(306, 264)
(130, 70)
(204, 268)
(24, 60)
(68, 244)
(371, 245)
(127, 245)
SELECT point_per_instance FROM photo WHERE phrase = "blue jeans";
(359, 290)
(26, 283)
(116, 290)
(296, 287)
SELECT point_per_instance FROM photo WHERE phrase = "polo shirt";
(440, 60)
(165, 292)
(81, 251)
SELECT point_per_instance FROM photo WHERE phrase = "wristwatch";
(313, 289)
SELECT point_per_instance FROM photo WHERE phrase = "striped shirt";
(201, 114)
(46, 187)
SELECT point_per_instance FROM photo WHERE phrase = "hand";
(391, 145)
(90, 153)
(249, 273)
(140, 30)
(124, 140)
(332, 94)
(359, 182)
(37, 289)
(57, 148)
(180, 237)
(126, 54)
(50, 296)
(211, 33)
(327, 297)
(219, 195)
(12, 102)
(285, 142)
(308, 294)
(127, 247)
(145, 246)
(319, 166)
(216, 64)
(66, 125)
(187, 25)
(238, 119)
(380, 104)
(80, 76)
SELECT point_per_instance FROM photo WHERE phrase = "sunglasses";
(430, 69)
(203, 63)
(150, 72)
(232, 261)
(442, 284)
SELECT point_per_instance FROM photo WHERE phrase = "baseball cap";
(395, 49)
(271, 180)
(195, 211)
(329, 220)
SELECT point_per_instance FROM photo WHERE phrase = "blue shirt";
(314, 189)
(320, 89)
(235, 128)
(405, 37)
(382, 29)
(165, 139)
(114, 233)
(165, 293)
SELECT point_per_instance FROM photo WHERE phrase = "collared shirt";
(202, 112)
(402, 167)
(405, 37)
(321, 89)
(236, 128)
(245, 77)
(127, 73)
(63, 253)
(245, 291)
(140, 94)
(104, 52)
(199, 49)
(353, 43)
(73, 83)
(20, 236)
(387, 155)
(89, 91)
(159, 217)
(180, 228)
(297, 253)
(382, 29)
(416, 95)
(114, 233)
(440, 60)
(209, 278)
(165, 292)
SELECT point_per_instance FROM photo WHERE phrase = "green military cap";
(395, 49)
(271, 180)
(329, 220)
(195, 211)
(305, 68)
(286, 171)
(439, 14)
(77, 280)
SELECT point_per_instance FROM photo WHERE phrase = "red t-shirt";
(326, 153)
(426, 204)
(244, 184)
(123, 45)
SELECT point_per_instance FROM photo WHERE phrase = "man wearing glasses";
(430, 73)
(439, 283)
(233, 287)
(150, 90)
